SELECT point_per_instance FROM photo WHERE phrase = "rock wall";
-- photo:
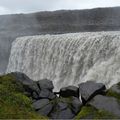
(13, 26)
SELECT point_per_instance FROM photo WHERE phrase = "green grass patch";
(113, 94)
(89, 112)
(13, 103)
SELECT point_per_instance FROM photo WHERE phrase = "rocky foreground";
(20, 97)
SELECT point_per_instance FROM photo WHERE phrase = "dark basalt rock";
(40, 104)
(45, 93)
(90, 89)
(65, 108)
(69, 91)
(29, 85)
(68, 105)
(45, 102)
(66, 114)
(63, 114)
(45, 84)
(61, 105)
(21, 77)
(76, 105)
(109, 104)
(35, 96)
(45, 110)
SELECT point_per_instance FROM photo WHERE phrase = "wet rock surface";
(69, 91)
(65, 108)
(45, 84)
(40, 103)
(109, 104)
(47, 94)
(76, 105)
(63, 114)
(46, 109)
(68, 105)
(90, 89)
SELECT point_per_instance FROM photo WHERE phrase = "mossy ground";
(13, 103)
(63, 100)
(55, 102)
(113, 94)
(89, 112)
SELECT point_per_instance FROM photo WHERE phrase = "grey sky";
(26, 6)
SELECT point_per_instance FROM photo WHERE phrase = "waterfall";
(68, 59)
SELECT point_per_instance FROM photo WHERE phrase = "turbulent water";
(68, 59)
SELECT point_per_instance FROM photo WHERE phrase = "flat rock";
(45, 93)
(76, 105)
(39, 104)
(66, 108)
(52, 96)
(90, 89)
(109, 104)
(45, 84)
(63, 114)
(61, 106)
(35, 96)
(69, 91)
(46, 109)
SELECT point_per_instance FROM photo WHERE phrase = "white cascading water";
(68, 59)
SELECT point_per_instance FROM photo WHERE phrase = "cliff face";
(12, 26)
(79, 20)
(68, 59)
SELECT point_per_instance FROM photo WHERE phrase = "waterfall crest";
(68, 59)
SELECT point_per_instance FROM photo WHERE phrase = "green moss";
(89, 112)
(113, 94)
(61, 99)
(118, 84)
(102, 114)
(64, 100)
(13, 103)
(86, 112)
(55, 102)
(10, 83)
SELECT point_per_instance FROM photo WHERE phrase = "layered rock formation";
(12, 26)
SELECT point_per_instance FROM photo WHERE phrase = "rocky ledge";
(90, 100)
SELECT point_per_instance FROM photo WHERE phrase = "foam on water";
(68, 59)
